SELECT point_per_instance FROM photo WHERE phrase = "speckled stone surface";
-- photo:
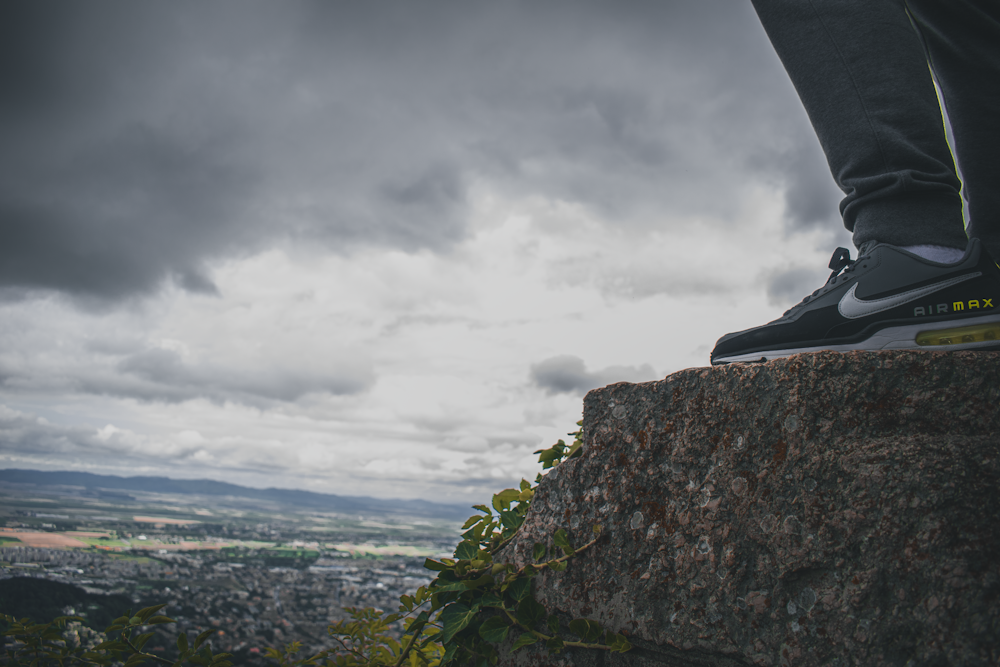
(825, 509)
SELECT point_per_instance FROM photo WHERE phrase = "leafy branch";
(38, 644)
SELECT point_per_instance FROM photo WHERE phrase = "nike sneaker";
(886, 299)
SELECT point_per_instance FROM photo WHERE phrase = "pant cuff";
(912, 220)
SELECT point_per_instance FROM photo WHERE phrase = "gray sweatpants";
(861, 70)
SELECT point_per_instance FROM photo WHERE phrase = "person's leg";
(861, 72)
(962, 39)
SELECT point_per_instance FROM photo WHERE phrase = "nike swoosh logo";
(852, 307)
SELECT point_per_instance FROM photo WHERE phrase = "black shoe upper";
(848, 308)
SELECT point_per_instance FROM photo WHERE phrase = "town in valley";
(260, 573)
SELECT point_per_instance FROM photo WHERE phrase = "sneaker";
(886, 299)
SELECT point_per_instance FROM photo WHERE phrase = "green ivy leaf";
(554, 449)
(538, 551)
(557, 566)
(466, 550)
(562, 541)
(472, 521)
(502, 500)
(495, 629)
(510, 519)
(449, 654)
(547, 455)
(552, 623)
(555, 645)
(530, 612)
(481, 581)
(491, 600)
(422, 619)
(618, 643)
(519, 589)
(451, 586)
(435, 566)
(587, 630)
(526, 639)
(455, 618)
(182, 642)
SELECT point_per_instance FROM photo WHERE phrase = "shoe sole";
(979, 333)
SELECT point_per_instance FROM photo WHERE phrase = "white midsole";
(893, 338)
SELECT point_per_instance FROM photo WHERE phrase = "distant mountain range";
(305, 499)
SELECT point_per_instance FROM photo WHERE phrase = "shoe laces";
(841, 264)
(841, 260)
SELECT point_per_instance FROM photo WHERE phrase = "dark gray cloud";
(127, 369)
(787, 287)
(164, 375)
(811, 196)
(27, 434)
(121, 215)
(568, 374)
(143, 141)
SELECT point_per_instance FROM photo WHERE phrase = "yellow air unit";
(974, 334)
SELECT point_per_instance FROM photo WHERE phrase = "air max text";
(954, 307)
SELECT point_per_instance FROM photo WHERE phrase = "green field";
(235, 525)
(98, 542)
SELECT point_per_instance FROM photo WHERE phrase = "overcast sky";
(380, 248)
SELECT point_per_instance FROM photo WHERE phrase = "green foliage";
(47, 644)
(43, 599)
(476, 603)
(554, 455)
(473, 605)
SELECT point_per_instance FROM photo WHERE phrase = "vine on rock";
(476, 604)
(472, 607)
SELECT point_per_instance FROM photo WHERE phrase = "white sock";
(935, 253)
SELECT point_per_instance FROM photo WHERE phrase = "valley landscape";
(264, 567)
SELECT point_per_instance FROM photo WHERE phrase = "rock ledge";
(825, 509)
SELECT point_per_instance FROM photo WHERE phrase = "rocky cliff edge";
(825, 509)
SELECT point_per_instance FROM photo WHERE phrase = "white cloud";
(334, 266)
(195, 389)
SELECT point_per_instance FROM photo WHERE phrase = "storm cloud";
(145, 141)
(164, 375)
(786, 287)
(568, 374)
(319, 244)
